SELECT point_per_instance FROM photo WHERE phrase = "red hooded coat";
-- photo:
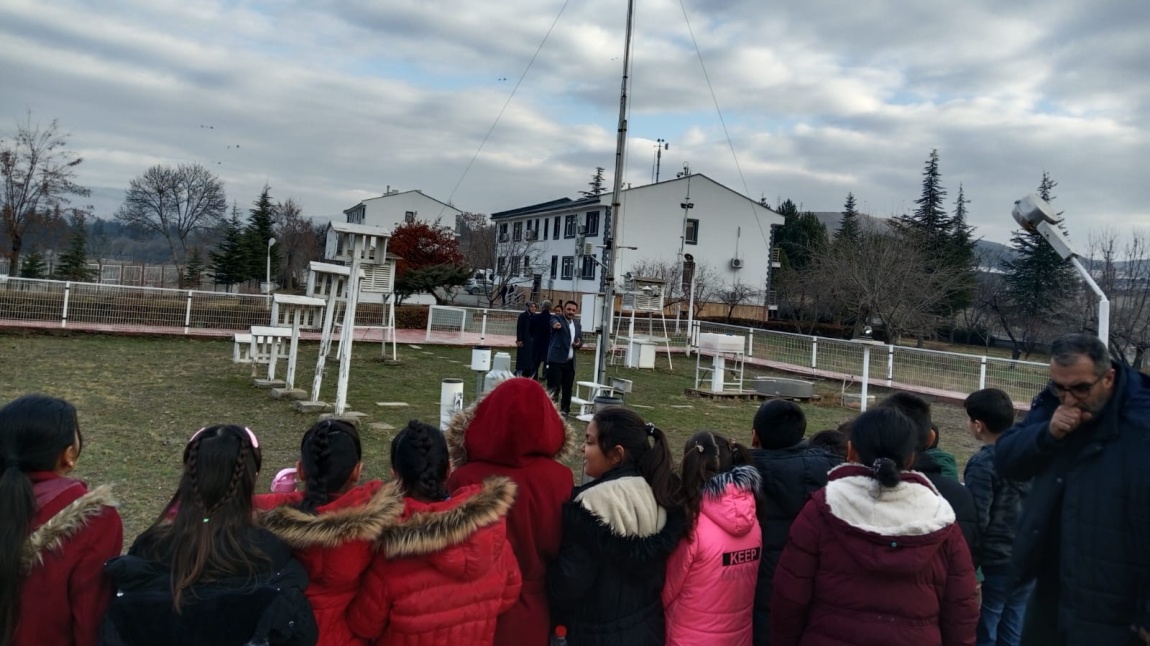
(516, 432)
(66, 592)
(443, 574)
(335, 546)
(868, 565)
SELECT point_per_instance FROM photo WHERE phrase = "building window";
(554, 267)
(517, 231)
(514, 265)
(546, 229)
(500, 265)
(409, 216)
(503, 232)
(527, 272)
(692, 233)
(555, 229)
(592, 224)
(568, 267)
(569, 226)
(588, 268)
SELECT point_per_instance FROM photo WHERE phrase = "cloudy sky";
(331, 102)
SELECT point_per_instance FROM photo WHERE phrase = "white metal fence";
(117, 307)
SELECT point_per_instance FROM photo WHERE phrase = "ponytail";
(705, 456)
(644, 447)
(886, 472)
(329, 453)
(420, 459)
(884, 439)
(34, 431)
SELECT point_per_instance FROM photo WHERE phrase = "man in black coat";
(524, 353)
(791, 471)
(540, 339)
(566, 339)
(1085, 527)
(965, 513)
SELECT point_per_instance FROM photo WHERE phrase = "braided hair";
(204, 531)
(329, 453)
(420, 459)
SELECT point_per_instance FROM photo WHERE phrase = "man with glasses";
(1084, 532)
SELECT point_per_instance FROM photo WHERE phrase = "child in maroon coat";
(516, 432)
(876, 556)
(54, 534)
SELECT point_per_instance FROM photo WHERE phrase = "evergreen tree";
(74, 262)
(850, 227)
(33, 265)
(229, 261)
(961, 252)
(801, 237)
(596, 184)
(1038, 281)
(194, 269)
(261, 227)
(929, 220)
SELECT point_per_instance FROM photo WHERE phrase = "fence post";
(483, 327)
(814, 352)
(751, 342)
(890, 364)
(64, 315)
(430, 315)
(188, 313)
(982, 373)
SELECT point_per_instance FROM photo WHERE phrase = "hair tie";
(877, 466)
(651, 430)
(699, 447)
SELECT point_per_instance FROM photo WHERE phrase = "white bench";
(242, 350)
(267, 347)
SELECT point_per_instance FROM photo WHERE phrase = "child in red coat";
(515, 432)
(332, 528)
(876, 556)
(54, 534)
(445, 572)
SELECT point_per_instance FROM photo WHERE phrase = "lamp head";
(271, 242)
(1032, 210)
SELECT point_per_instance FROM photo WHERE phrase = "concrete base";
(380, 426)
(268, 383)
(293, 394)
(312, 407)
(351, 417)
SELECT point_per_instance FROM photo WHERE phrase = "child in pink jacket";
(709, 592)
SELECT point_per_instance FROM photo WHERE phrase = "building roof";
(397, 193)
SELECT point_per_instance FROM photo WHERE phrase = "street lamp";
(268, 275)
(1036, 216)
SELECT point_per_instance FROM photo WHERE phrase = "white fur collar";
(627, 505)
(912, 508)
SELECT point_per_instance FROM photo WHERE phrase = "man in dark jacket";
(1085, 526)
(791, 471)
(566, 339)
(540, 338)
(524, 353)
(918, 410)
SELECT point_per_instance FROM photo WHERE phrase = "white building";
(690, 216)
(394, 208)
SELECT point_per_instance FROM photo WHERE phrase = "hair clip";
(699, 447)
(650, 429)
(206, 519)
(877, 466)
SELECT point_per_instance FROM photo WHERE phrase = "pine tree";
(929, 220)
(32, 266)
(960, 252)
(74, 262)
(229, 261)
(849, 227)
(260, 228)
(1038, 280)
(194, 269)
(597, 184)
(800, 238)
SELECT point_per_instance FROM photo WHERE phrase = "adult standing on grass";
(540, 340)
(55, 534)
(1085, 526)
(525, 353)
(566, 338)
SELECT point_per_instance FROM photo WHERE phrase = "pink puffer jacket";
(709, 593)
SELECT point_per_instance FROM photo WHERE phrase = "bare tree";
(1123, 273)
(516, 263)
(38, 173)
(737, 294)
(174, 203)
(298, 241)
(678, 291)
(476, 240)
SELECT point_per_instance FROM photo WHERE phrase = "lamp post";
(1037, 216)
(268, 274)
(660, 146)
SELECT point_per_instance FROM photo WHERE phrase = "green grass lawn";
(140, 398)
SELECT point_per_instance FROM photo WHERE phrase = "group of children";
(481, 536)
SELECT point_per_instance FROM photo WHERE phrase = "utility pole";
(660, 146)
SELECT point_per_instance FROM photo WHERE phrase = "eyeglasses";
(1077, 391)
(251, 436)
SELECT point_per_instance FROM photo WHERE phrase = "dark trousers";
(1003, 609)
(560, 380)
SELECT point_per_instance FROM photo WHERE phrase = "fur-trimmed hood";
(514, 421)
(729, 500)
(620, 513)
(68, 522)
(428, 528)
(349, 518)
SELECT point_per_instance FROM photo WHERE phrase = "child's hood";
(511, 424)
(361, 514)
(729, 500)
(898, 529)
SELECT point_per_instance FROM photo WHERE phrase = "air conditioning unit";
(532, 235)
(503, 237)
(732, 297)
(736, 263)
(588, 249)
